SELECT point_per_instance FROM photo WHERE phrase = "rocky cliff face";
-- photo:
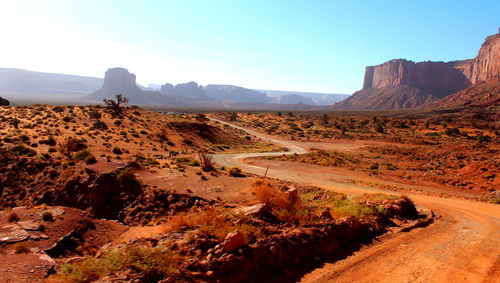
(487, 63)
(438, 77)
(401, 83)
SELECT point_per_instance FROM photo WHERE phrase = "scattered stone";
(326, 215)
(28, 225)
(256, 210)
(12, 233)
(234, 240)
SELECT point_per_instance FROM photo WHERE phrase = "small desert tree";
(70, 145)
(116, 106)
(206, 162)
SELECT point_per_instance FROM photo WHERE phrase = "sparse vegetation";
(152, 263)
(12, 217)
(234, 172)
(47, 216)
(116, 106)
(21, 248)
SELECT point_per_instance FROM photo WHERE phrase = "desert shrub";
(94, 114)
(452, 132)
(85, 155)
(49, 141)
(152, 263)
(346, 207)
(495, 200)
(286, 206)
(268, 193)
(70, 145)
(379, 127)
(117, 150)
(14, 122)
(47, 216)
(182, 160)
(21, 248)
(481, 138)
(67, 119)
(21, 150)
(58, 109)
(45, 156)
(235, 172)
(12, 217)
(207, 164)
(90, 159)
(374, 166)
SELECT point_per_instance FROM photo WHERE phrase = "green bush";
(90, 159)
(47, 216)
(117, 150)
(82, 155)
(22, 150)
(12, 217)
(235, 172)
(152, 263)
(452, 132)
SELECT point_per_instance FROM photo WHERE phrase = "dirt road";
(463, 245)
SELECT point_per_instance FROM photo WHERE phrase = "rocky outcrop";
(4, 102)
(404, 84)
(105, 194)
(398, 97)
(487, 63)
(484, 94)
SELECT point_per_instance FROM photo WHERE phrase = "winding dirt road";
(463, 245)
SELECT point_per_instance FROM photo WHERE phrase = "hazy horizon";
(282, 45)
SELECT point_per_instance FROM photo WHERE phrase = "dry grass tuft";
(269, 193)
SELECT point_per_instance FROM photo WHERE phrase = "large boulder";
(4, 102)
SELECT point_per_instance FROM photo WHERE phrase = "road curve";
(463, 245)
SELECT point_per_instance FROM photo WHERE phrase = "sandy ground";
(461, 246)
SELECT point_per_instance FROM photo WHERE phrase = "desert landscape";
(219, 174)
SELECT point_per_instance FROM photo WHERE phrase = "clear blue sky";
(289, 45)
